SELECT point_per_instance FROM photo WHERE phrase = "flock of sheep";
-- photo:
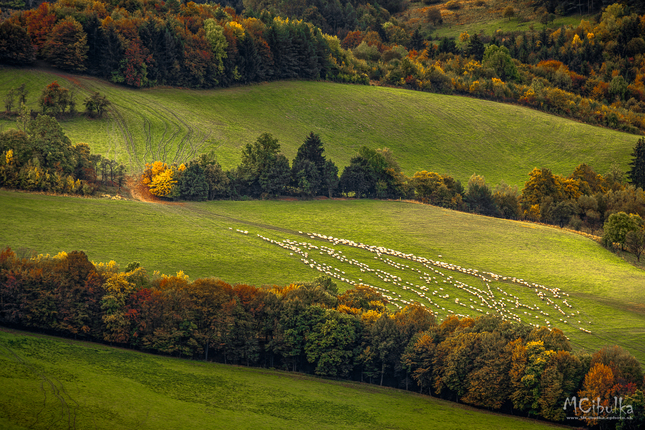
(431, 285)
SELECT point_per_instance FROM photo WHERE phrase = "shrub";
(453, 5)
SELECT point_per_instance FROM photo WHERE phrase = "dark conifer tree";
(637, 165)
(308, 170)
(416, 42)
(192, 183)
(248, 59)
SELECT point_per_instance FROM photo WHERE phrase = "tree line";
(54, 100)
(313, 328)
(606, 205)
(38, 156)
(142, 44)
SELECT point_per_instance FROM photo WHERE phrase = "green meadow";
(447, 134)
(224, 239)
(51, 383)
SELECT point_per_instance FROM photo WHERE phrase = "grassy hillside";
(202, 239)
(447, 134)
(485, 18)
(53, 384)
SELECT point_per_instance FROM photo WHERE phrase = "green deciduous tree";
(331, 344)
(217, 41)
(96, 104)
(479, 197)
(50, 145)
(263, 168)
(218, 181)
(618, 225)
(499, 59)
(9, 100)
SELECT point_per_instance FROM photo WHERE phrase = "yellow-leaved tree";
(161, 185)
(161, 178)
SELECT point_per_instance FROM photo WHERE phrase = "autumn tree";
(434, 15)
(454, 360)
(599, 386)
(488, 383)
(15, 45)
(635, 242)
(54, 99)
(418, 359)
(590, 181)
(625, 367)
(161, 178)
(439, 190)
(66, 47)
(118, 288)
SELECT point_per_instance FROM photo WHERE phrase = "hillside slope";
(59, 384)
(447, 134)
(205, 239)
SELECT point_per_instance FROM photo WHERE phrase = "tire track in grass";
(197, 148)
(59, 393)
(127, 136)
(147, 131)
(187, 137)
(163, 136)
(119, 123)
(151, 110)
(192, 141)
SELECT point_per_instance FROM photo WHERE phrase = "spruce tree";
(308, 169)
(637, 166)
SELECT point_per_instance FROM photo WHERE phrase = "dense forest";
(487, 362)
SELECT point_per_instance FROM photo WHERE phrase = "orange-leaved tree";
(597, 394)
